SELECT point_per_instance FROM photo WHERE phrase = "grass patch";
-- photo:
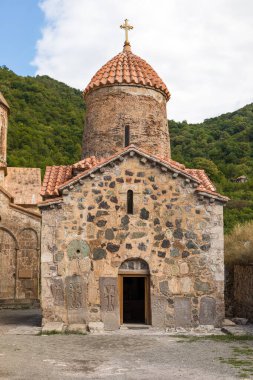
(55, 332)
(216, 338)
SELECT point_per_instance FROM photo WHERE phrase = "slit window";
(130, 202)
(127, 135)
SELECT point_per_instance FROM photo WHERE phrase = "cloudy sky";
(202, 49)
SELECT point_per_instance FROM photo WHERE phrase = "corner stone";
(96, 327)
(50, 327)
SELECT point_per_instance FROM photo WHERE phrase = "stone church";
(20, 225)
(130, 236)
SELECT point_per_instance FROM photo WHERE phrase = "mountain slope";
(46, 126)
(46, 120)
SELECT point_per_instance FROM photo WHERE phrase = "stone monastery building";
(20, 225)
(128, 234)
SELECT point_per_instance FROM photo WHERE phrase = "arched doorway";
(134, 292)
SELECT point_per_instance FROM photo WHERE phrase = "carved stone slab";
(57, 290)
(109, 299)
(182, 307)
(76, 294)
(207, 311)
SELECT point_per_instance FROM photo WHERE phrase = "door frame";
(147, 294)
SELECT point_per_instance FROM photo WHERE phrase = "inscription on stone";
(207, 311)
(109, 302)
(182, 312)
(57, 290)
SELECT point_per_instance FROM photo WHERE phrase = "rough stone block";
(50, 327)
(96, 327)
(228, 322)
(25, 273)
(77, 328)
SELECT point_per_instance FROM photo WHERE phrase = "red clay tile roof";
(86, 163)
(54, 177)
(127, 68)
(58, 176)
(203, 178)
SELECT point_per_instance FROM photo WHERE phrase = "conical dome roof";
(127, 68)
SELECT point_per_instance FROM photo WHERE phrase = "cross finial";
(127, 27)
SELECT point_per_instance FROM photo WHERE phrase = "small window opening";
(130, 202)
(127, 135)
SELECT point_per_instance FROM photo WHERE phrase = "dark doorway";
(133, 299)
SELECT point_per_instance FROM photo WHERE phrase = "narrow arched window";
(127, 135)
(130, 202)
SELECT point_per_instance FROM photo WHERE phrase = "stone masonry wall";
(86, 238)
(110, 109)
(19, 252)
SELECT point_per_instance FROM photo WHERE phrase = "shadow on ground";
(20, 317)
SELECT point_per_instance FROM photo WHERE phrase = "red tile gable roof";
(57, 177)
(127, 68)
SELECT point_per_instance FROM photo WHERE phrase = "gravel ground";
(108, 356)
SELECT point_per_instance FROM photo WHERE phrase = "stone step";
(19, 304)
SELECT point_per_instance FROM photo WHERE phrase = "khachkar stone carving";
(76, 299)
(57, 290)
(109, 302)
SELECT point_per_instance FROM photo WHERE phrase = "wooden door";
(147, 296)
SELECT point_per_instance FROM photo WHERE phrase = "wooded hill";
(46, 125)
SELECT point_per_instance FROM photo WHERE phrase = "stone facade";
(87, 235)
(110, 109)
(128, 234)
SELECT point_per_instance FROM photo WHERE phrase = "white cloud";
(202, 49)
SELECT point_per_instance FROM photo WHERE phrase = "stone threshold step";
(132, 326)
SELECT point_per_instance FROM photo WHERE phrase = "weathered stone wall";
(86, 238)
(243, 291)
(110, 109)
(3, 132)
(19, 252)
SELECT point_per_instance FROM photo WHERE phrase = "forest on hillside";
(46, 126)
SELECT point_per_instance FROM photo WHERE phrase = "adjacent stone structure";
(20, 224)
(129, 235)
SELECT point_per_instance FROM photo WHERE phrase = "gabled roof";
(24, 184)
(59, 177)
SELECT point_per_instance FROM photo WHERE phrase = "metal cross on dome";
(127, 27)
